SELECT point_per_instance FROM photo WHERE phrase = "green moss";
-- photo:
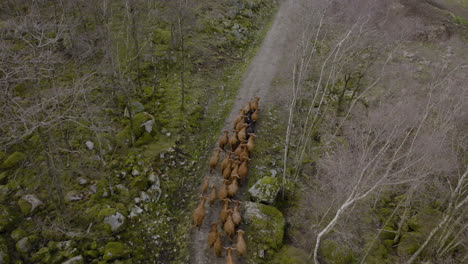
(140, 183)
(13, 160)
(114, 250)
(460, 20)
(102, 188)
(18, 234)
(388, 233)
(124, 137)
(290, 255)
(377, 253)
(144, 139)
(267, 223)
(106, 212)
(265, 190)
(42, 256)
(138, 121)
(3, 177)
(335, 253)
(6, 218)
(409, 243)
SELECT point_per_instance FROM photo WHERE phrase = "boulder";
(13, 160)
(29, 203)
(267, 223)
(6, 218)
(75, 260)
(265, 190)
(114, 250)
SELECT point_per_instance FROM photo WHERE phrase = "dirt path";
(272, 59)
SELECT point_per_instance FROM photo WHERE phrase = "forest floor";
(272, 60)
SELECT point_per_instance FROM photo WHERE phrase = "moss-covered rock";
(124, 137)
(3, 177)
(102, 188)
(18, 234)
(6, 218)
(140, 183)
(29, 204)
(377, 253)
(138, 121)
(42, 256)
(265, 190)
(136, 107)
(114, 250)
(13, 160)
(409, 243)
(290, 255)
(267, 223)
(335, 253)
(4, 256)
(144, 139)
(24, 245)
(388, 233)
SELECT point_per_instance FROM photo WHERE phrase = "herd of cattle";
(237, 148)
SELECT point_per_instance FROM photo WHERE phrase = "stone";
(93, 189)
(136, 107)
(115, 221)
(265, 190)
(273, 173)
(73, 196)
(135, 211)
(114, 250)
(63, 245)
(29, 203)
(75, 260)
(135, 172)
(6, 218)
(148, 125)
(13, 160)
(144, 197)
(82, 181)
(89, 144)
(24, 245)
(267, 223)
